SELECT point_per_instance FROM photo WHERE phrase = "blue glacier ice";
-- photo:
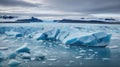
(47, 35)
(103, 39)
(13, 63)
(23, 49)
(40, 36)
(99, 39)
(62, 35)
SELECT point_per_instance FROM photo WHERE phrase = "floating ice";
(25, 56)
(13, 33)
(3, 48)
(12, 55)
(95, 39)
(23, 49)
(13, 63)
(38, 56)
(1, 57)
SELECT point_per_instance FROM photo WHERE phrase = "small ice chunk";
(38, 56)
(12, 55)
(77, 57)
(106, 59)
(23, 49)
(25, 56)
(13, 33)
(52, 59)
(3, 48)
(13, 63)
(1, 57)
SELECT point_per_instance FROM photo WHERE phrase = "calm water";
(59, 55)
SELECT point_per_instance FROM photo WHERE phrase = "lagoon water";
(57, 54)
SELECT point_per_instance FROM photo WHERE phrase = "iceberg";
(13, 63)
(25, 56)
(23, 49)
(99, 39)
(12, 55)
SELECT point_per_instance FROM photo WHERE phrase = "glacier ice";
(23, 49)
(13, 63)
(47, 35)
(52, 34)
(102, 38)
(95, 39)
(62, 35)
(40, 36)
(13, 33)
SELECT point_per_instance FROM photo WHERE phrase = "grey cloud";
(86, 6)
(14, 3)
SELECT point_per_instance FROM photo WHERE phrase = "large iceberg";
(100, 39)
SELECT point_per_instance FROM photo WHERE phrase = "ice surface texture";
(66, 35)
(94, 39)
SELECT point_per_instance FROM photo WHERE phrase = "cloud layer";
(60, 7)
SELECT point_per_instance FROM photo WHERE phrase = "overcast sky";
(61, 8)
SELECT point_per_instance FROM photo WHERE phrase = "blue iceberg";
(99, 39)
(13, 63)
(23, 49)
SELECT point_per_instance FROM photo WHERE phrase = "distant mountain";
(7, 17)
(106, 20)
(32, 19)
